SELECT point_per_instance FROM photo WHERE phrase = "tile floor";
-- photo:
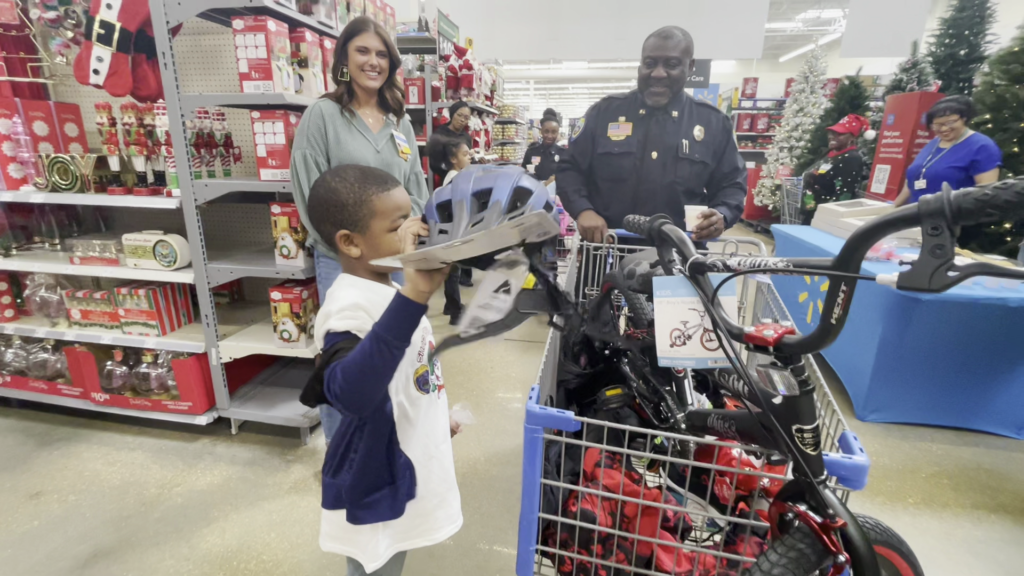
(89, 495)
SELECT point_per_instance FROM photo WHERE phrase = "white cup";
(693, 217)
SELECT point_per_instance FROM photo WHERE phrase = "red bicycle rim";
(898, 562)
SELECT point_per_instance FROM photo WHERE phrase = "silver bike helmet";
(480, 198)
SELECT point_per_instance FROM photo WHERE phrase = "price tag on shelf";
(33, 267)
(36, 198)
(149, 343)
(41, 332)
(68, 270)
(5, 329)
(106, 339)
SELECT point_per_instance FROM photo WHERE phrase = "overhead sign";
(701, 77)
(447, 34)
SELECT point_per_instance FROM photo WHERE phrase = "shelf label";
(106, 339)
(36, 199)
(149, 343)
(41, 332)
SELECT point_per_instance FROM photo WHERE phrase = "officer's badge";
(578, 130)
(698, 133)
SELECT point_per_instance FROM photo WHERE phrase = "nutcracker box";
(289, 235)
(293, 308)
(307, 59)
(93, 309)
(40, 126)
(192, 375)
(273, 132)
(263, 53)
(415, 91)
(70, 128)
(327, 55)
(12, 173)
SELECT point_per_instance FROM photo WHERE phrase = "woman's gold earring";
(343, 75)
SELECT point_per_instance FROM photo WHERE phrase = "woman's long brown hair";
(391, 95)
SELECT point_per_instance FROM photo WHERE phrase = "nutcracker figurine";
(111, 144)
(197, 145)
(159, 185)
(227, 152)
(136, 145)
(206, 142)
(165, 150)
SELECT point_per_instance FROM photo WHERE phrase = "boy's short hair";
(342, 199)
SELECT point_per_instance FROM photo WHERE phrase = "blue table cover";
(952, 359)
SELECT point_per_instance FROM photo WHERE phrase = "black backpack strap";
(313, 393)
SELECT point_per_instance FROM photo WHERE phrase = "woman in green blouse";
(362, 121)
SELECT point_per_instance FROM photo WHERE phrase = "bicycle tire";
(799, 553)
(640, 312)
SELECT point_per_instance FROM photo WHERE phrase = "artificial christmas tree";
(1000, 105)
(912, 75)
(959, 46)
(850, 98)
(802, 111)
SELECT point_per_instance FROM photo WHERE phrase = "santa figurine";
(106, 124)
(467, 76)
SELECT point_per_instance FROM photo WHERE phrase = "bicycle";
(680, 337)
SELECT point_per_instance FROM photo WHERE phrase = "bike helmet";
(480, 198)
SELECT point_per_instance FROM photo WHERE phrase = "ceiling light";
(782, 25)
(821, 42)
(815, 14)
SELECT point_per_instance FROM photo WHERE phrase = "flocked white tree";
(803, 109)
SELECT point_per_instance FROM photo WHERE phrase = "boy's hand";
(419, 284)
(455, 426)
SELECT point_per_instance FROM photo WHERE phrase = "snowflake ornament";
(9, 149)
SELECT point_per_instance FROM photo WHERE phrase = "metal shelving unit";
(92, 200)
(255, 263)
(209, 190)
(187, 339)
(82, 404)
(423, 45)
(249, 101)
(59, 263)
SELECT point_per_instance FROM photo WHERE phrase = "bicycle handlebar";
(934, 271)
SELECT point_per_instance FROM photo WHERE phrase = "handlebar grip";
(993, 203)
(636, 224)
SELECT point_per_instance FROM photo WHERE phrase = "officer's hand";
(711, 225)
(549, 180)
(591, 226)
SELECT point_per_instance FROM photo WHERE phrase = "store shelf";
(57, 263)
(128, 201)
(417, 43)
(273, 397)
(255, 263)
(755, 134)
(510, 121)
(82, 404)
(187, 339)
(209, 190)
(763, 99)
(259, 339)
(506, 142)
(221, 11)
(472, 105)
(255, 101)
(415, 106)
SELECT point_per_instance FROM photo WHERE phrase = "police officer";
(654, 150)
(542, 157)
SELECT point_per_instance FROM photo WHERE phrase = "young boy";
(389, 476)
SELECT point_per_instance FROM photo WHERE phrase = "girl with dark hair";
(958, 156)
(362, 121)
(542, 157)
(457, 129)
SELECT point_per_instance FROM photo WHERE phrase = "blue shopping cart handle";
(852, 466)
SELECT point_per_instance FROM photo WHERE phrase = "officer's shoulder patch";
(579, 129)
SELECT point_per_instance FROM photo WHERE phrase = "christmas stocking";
(146, 83)
(110, 28)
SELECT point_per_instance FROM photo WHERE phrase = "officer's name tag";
(920, 184)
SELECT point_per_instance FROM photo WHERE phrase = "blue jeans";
(327, 271)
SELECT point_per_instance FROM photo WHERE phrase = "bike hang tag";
(496, 295)
(683, 331)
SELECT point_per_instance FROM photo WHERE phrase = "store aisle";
(90, 496)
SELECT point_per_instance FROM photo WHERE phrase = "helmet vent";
(520, 197)
(548, 207)
(445, 215)
(481, 199)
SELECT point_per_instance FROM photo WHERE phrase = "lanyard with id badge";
(403, 145)
(921, 183)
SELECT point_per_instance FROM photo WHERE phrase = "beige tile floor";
(85, 494)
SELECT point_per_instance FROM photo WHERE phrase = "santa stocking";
(110, 28)
(146, 84)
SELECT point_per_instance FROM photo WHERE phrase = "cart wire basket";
(601, 498)
(792, 192)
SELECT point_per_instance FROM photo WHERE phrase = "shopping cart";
(792, 193)
(626, 516)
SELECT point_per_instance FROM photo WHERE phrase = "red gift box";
(70, 128)
(327, 46)
(81, 315)
(40, 126)
(8, 305)
(761, 122)
(745, 122)
(192, 374)
(749, 88)
(273, 131)
(263, 54)
(415, 91)
(148, 309)
(42, 386)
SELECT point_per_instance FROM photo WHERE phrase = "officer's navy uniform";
(628, 158)
(544, 159)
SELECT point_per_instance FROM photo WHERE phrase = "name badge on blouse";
(920, 184)
(403, 145)
(824, 168)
